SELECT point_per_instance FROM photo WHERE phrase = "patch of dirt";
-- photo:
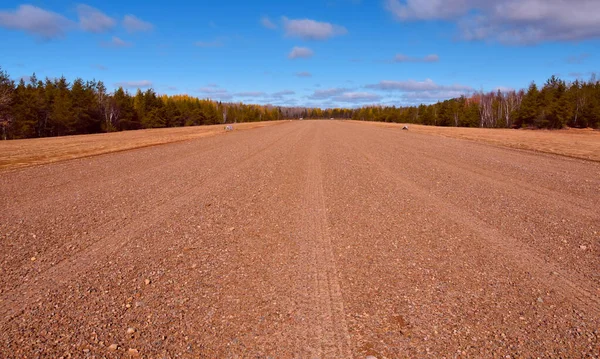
(30, 152)
(308, 239)
(572, 142)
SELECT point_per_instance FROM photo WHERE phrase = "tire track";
(314, 240)
(332, 331)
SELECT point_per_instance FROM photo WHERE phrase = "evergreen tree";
(530, 107)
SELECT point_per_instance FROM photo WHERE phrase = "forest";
(55, 107)
(556, 105)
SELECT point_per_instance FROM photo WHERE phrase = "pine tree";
(530, 107)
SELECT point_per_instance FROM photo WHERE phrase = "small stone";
(113, 347)
(540, 300)
(127, 305)
(231, 229)
(583, 247)
(147, 281)
(371, 357)
(130, 330)
(33, 259)
(133, 352)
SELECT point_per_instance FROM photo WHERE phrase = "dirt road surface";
(37, 151)
(303, 240)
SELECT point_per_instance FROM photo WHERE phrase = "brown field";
(23, 153)
(310, 239)
(578, 143)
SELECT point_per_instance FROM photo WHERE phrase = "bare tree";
(580, 102)
(486, 110)
(512, 103)
(113, 113)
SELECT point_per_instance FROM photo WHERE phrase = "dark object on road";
(405, 128)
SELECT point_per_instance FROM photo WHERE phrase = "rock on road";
(309, 239)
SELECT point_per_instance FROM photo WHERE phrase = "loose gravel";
(310, 239)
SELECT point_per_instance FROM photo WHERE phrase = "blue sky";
(307, 53)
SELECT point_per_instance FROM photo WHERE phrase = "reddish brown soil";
(304, 240)
(571, 142)
(36, 151)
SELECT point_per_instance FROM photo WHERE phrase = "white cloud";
(47, 25)
(267, 23)
(132, 23)
(412, 85)
(427, 59)
(213, 91)
(282, 94)
(357, 97)
(94, 20)
(414, 92)
(430, 96)
(116, 42)
(134, 84)
(300, 53)
(36, 21)
(428, 9)
(303, 74)
(508, 21)
(222, 96)
(326, 94)
(307, 29)
(276, 96)
(251, 94)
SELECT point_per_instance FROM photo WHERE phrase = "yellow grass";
(578, 143)
(29, 152)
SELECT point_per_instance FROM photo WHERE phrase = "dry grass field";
(578, 143)
(23, 153)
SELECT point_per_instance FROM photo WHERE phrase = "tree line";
(55, 107)
(556, 105)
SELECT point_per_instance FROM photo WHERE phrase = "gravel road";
(309, 239)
